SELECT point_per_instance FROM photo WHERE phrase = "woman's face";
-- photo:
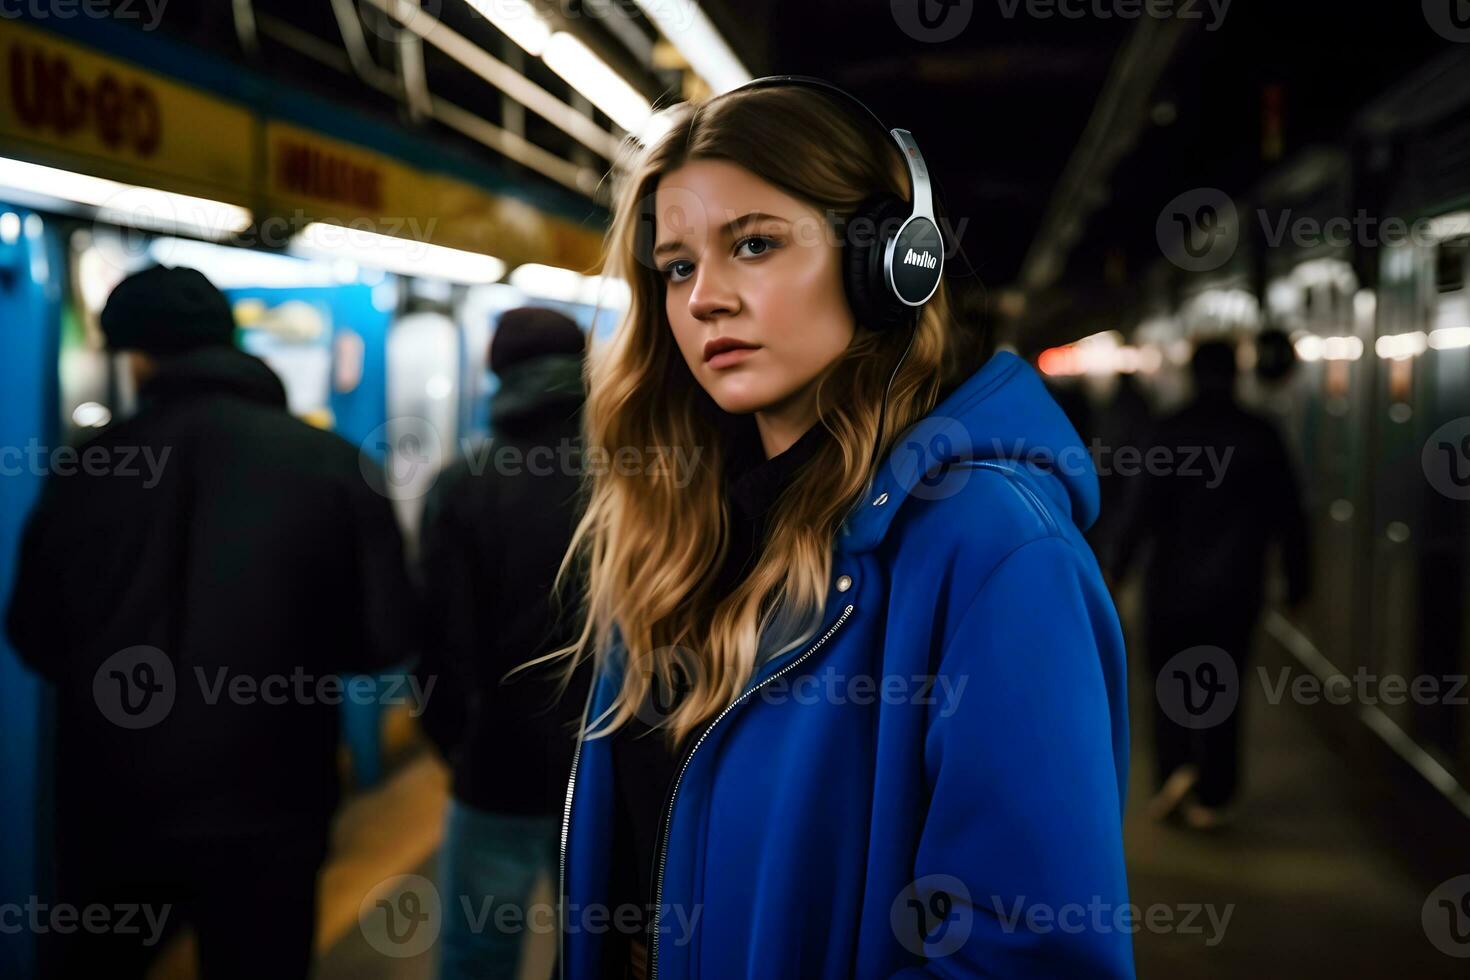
(742, 259)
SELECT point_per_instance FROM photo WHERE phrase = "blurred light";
(1365, 304)
(241, 268)
(1058, 362)
(9, 228)
(1164, 113)
(127, 204)
(400, 255)
(690, 31)
(1309, 347)
(603, 87)
(91, 415)
(565, 285)
(1448, 338)
(1400, 346)
(385, 296)
(1317, 272)
(517, 20)
(438, 387)
(1453, 225)
(1342, 348)
(96, 278)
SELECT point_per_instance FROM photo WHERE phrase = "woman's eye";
(766, 244)
(672, 276)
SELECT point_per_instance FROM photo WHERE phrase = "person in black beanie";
(496, 525)
(253, 554)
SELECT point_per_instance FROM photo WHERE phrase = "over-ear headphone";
(893, 251)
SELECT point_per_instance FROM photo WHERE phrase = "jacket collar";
(1004, 413)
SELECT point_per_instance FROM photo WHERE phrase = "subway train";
(1355, 253)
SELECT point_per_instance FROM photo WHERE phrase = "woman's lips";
(730, 357)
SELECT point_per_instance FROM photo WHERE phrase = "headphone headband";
(922, 191)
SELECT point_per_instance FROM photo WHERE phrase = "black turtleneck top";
(644, 768)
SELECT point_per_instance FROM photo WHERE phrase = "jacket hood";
(1003, 413)
(544, 389)
(215, 370)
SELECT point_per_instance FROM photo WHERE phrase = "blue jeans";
(490, 861)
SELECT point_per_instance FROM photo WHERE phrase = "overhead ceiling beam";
(1120, 114)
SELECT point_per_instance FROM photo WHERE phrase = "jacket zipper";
(669, 810)
(566, 826)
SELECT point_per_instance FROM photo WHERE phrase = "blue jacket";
(933, 785)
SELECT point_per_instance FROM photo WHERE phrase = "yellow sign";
(330, 180)
(64, 105)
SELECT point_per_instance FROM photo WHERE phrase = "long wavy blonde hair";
(647, 551)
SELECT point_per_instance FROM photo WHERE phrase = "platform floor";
(1316, 888)
(1312, 887)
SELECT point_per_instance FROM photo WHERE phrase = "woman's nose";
(713, 293)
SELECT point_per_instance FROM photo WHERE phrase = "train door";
(31, 293)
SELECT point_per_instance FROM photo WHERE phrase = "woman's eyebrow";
(730, 226)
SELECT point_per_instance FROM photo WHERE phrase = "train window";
(1450, 264)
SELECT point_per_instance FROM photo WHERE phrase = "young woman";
(859, 701)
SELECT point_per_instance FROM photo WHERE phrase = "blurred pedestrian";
(1211, 518)
(495, 527)
(192, 614)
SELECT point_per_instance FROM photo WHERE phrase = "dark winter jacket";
(194, 599)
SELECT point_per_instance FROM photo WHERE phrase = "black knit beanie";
(532, 331)
(164, 311)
